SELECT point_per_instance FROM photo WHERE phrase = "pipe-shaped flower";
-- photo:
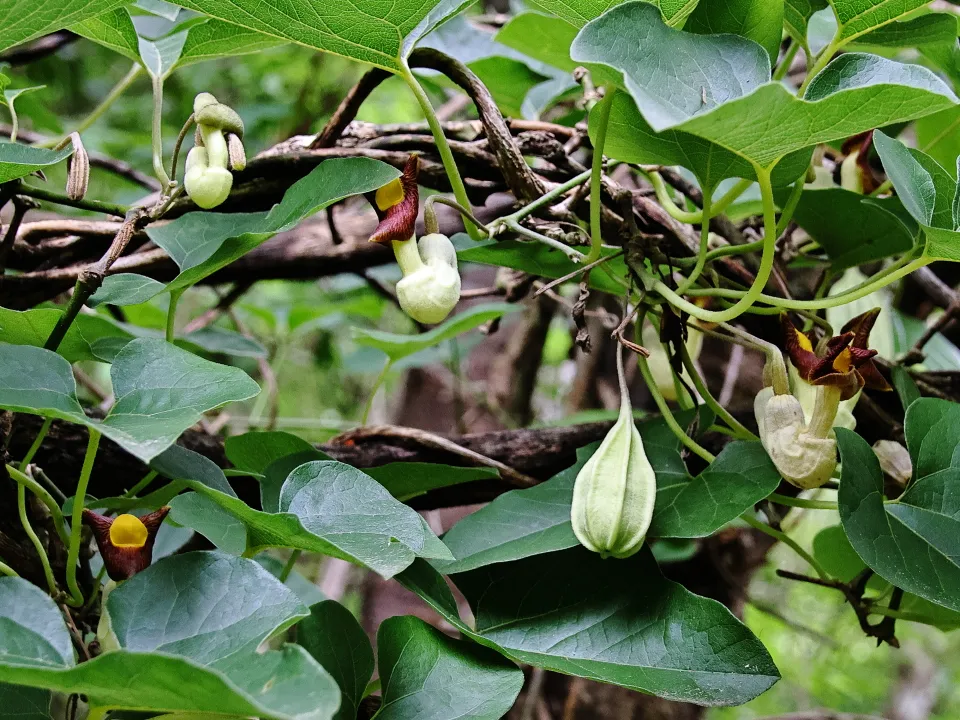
(430, 287)
(207, 177)
(615, 491)
(125, 542)
(397, 204)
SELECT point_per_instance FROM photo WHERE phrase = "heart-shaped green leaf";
(126, 289)
(913, 542)
(932, 430)
(160, 391)
(425, 674)
(17, 161)
(24, 20)
(163, 621)
(335, 639)
(619, 622)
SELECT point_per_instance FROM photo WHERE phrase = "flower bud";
(894, 461)
(802, 458)
(78, 176)
(237, 156)
(125, 542)
(430, 287)
(615, 491)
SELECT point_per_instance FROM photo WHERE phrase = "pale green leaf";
(17, 161)
(757, 20)
(23, 20)
(857, 17)
(113, 30)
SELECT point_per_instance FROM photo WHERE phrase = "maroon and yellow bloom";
(126, 541)
(844, 362)
(397, 204)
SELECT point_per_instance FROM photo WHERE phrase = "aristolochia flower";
(805, 452)
(207, 178)
(430, 287)
(126, 541)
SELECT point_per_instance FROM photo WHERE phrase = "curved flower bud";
(207, 178)
(802, 458)
(615, 491)
(430, 287)
(397, 204)
(125, 542)
(894, 461)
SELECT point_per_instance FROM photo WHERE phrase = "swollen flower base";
(207, 178)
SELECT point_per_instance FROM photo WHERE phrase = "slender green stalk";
(115, 92)
(7, 570)
(786, 215)
(723, 252)
(738, 429)
(673, 210)
(28, 528)
(704, 244)
(788, 541)
(570, 252)
(878, 281)
(596, 175)
(543, 199)
(45, 497)
(97, 587)
(141, 484)
(763, 273)
(373, 391)
(801, 502)
(158, 168)
(172, 314)
(784, 67)
(37, 442)
(14, 122)
(905, 615)
(61, 199)
(667, 414)
(288, 568)
(820, 63)
(76, 518)
(443, 147)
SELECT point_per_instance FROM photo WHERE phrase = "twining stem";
(786, 540)
(723, 252)
(596, 174)
(28, 529)
(7, 570)
(763, 273)
(115, 92)
(288, 568)
(179, 144)
(801, 502)
(61, 199)
(76, 519)
(141, 484)
(721, 412)
(784, 67)
(175, 296)
(37, 442)
(158, 168)
(694, 217)
(443, 147)
(544, 199)
(570, 252)
(876, 282)
(786, 214)
(704, 243)
(428, 213)
(373, 391)
(45, 497)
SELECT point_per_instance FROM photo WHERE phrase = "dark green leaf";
(126, 289)
(932, 430)
(913, 542)
(17, 161)
(83, 341)
(578, 12)
(905, 386)
(835, 553)
(216, 38)
(406, 480)
(425, 674)
(335, 639)
(757, 20)
(255, 451)
(24, 703)
(26, 19)
(203, 515)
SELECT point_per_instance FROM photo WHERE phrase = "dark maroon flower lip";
(123, 560)
(398, 221)
(846, 362)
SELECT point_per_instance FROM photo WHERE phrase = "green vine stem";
(570, 252)
(788, 541)
(721, 412)
(52, 196)
(905, 615)
(374, 390)
(544, 199)
(158, 168)
(141, 484)
(784, 67)
(115, 92)
(79, 499)
(704, 243)
(7, 570)
(596, 175)
(692, 217)
(763, 274)
(786, 214)
(171, 332)
(28, 529)
(443, 147)
(45, 497)
(288, 568)
(430, 217)
(801, 502)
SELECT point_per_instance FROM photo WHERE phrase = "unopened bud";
(235, 152)
(894, 461)
(78, 173)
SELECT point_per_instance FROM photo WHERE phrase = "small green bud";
(615, 491)
(430, 287)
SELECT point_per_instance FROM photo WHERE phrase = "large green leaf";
(719, 87)
(398, 347)
(857, 17)
(382, 35)
(757, 20)
(215, 38)
(160, 391)
(927, 191)
(933, 435)
(576, 12)
(126, 289)
(17, 161)
(82, 342)
(113, 30)
(617, 622)
(325, 507)
(255, 451)
(24, 703)
(425, 674)
(937, 136)
(203, 242)
(23, 20)
(335, 639)
(912, 542)
(406, 480)
(163, 621)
